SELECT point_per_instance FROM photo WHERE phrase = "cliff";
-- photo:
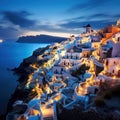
(40, 39)
(23, 71)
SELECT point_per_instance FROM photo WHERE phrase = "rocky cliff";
(40, 39)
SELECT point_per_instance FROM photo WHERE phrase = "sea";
(11, 55)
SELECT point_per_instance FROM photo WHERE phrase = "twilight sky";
(54, 17)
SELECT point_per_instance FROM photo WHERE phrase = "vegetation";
(99, 101)
(78, 114)
(30, 96)
(112, 92)
(104, 86)
(3, 117)
(106, 94)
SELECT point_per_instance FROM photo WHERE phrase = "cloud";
(18, 18)
(14, 24)
(21, 19)
(96, 24)
(116, 16)
(92, 16)
(52, 28)
(97, 20)
(99, 15)
(9, 32)
(103, 16)
(90, 4)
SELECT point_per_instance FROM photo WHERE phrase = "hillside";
(40, 39)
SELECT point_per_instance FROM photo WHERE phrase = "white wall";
(117, 35)
(69, 61)
(113, 64)
(58, 68)
(113, 61)
(74, 54)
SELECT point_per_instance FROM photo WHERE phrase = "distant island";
(40, 39)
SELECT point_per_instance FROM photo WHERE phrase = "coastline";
(23, 72)
(11, 55)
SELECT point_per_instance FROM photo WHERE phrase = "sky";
(55, 17)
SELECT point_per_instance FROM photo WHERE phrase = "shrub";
(115, 91)
(107, 95)
(112, 92)
(99, 101)
(80, 71)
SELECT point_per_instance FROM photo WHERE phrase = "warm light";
(34, 112)
(46, 112)
(114, 40)
(57, 97)
(48, 90)
(114, 77)
(33, 66)
(82, 89)
(87, 84)
(45, 64)
(30, 76)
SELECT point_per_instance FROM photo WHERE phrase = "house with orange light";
(109, 32)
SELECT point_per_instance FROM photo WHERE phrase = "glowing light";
(34, 112)
(57, 97)
(1, 40)
(48, 90)
(83, 87)
(47, 112)
(114, 77)
(33, 66)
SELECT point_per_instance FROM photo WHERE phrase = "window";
(106, 62)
